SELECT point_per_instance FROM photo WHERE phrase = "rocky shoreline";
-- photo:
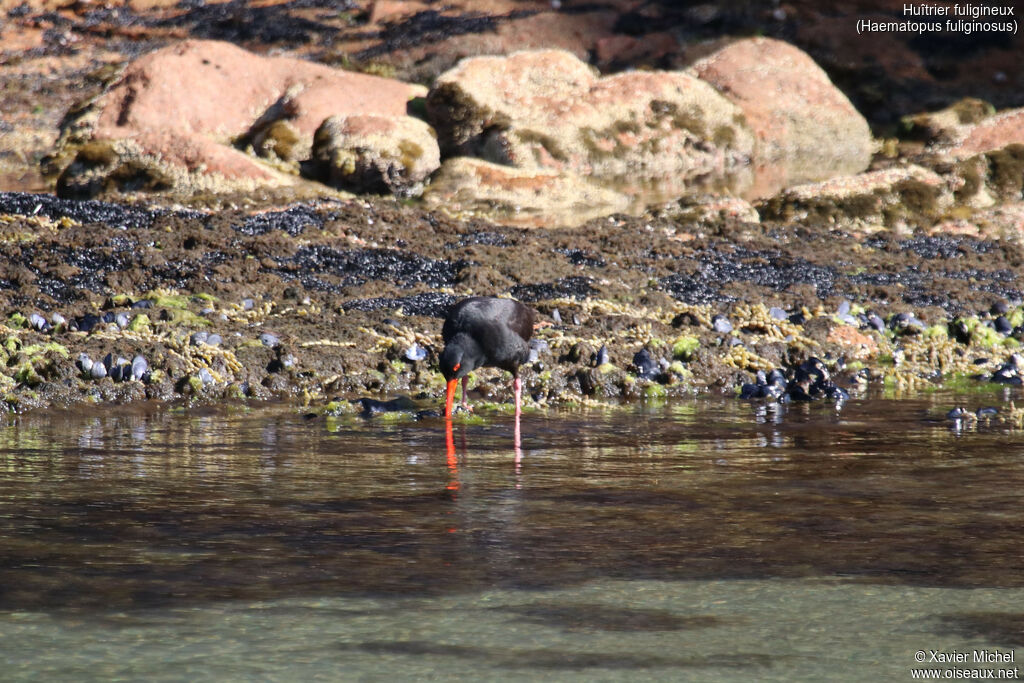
(678, 229)
(322, 304)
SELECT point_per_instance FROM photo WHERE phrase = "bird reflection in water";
(452, 457)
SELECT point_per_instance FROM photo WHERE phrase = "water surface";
(707, 540)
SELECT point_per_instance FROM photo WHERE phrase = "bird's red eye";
(457, 366)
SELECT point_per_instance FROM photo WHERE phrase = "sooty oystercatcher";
(485, 331)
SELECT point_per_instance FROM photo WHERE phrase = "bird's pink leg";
(465, 403)
(517, 441)
(518, 386)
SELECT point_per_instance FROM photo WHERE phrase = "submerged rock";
(371, 406)
(711, 209)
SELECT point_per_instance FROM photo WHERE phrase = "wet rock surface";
(466, 186)
(341, 300)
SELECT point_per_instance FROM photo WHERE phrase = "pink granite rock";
(946, 126)
(790, 103)
(995, 132)
(177, 112)
(547, 109)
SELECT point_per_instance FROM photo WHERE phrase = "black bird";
(485, 331)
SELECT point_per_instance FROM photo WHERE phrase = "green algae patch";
(684, 348)
(17, 320)
(27, 374)
(963, 383)
(394, 416)
(985, 336)
(337, 408)
(36, 350)
(139, 323)
(183, 316)
(163, 299)
(493, 407)
(655, 391)
(1016, 316)
(469, 418)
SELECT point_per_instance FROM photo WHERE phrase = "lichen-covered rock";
(981, 152)
(995, 132)
(524, 196)
(947, 125)
(1003, 220)
(793, 108)
(548, 110)
(989, 177)
(173, 119)
(887, 198)
(155, 161)
(381, 154)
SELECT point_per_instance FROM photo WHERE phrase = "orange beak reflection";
(449, 398)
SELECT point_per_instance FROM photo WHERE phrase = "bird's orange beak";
(449, 398)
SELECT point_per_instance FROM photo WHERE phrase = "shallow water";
(707, 540)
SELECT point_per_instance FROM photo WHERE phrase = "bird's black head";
(460, 357)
